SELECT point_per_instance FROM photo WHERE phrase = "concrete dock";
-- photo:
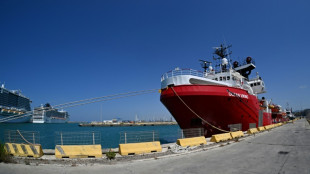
(285, 149)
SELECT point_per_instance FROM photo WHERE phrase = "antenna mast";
(204, 64)
(222, 54)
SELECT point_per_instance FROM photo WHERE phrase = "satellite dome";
(224, 61)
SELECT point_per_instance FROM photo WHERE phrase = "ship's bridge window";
(258, 83)
(254, 84)
(251, 84)
(228, 77)
(224, 78)
(221, 78)
(216, 79)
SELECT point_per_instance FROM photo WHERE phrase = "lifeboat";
(270, 106)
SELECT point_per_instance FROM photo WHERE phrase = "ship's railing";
(22, 137)
(178, 72)
(77, 138)
(189, 133)
(138, 136)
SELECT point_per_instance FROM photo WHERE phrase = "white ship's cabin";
(193, 77)
(258, 85)
(231, 77)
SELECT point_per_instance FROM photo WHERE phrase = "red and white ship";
(218, 101)
(278, 113)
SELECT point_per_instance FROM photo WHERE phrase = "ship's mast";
(222, 54)
(204, 64)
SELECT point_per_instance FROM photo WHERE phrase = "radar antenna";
(222, 54)
(222, 51)
(204, 64)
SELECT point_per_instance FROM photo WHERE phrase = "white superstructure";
(290, 114)
(232, 76)
(48, 114)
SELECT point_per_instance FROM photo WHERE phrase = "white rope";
(26, 114)
(96, 98)
(23, 137)
(113, 98)
(83, 102)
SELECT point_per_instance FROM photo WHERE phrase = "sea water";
(110, 136)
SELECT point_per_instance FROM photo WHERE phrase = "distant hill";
(305, 112)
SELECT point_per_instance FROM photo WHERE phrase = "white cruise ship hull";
(50, 120)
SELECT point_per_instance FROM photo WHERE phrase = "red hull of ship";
(267, 119)
(214, 104)
(279, 118)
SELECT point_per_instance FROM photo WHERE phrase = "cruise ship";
(48, 114)
(14, 107)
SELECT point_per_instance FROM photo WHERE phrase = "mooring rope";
(107, 96)
(84, 102)
(107, 99)
(197, 114)
(23, 137)
(13, 117)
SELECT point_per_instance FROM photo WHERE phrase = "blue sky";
(61, 51)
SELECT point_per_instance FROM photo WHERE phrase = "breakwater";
(100, 124)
